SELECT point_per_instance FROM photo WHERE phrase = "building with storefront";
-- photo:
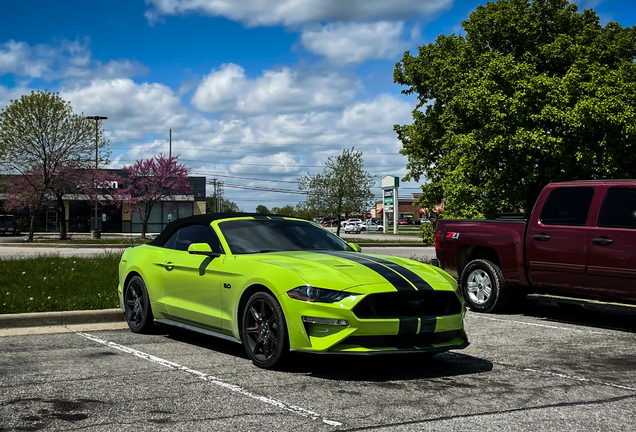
(79, 212)
(407, 209)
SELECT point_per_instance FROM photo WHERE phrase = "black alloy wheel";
(264, 331)
(137, 306)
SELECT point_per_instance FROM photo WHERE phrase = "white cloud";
(134, 110)
(253, 13)
(63, 59)
(355, 43)
(229, 89)
(377, 115)
(20, 59)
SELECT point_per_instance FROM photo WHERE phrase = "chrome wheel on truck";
(483, 286)
(479, 287)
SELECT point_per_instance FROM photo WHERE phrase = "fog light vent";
(327, 321)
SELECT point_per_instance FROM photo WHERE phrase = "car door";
(192, 286)
(556, 242)
(612, 245)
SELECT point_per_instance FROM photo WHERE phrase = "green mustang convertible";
(277, 284)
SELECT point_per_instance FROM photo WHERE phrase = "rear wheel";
(264, 331)
(483, 287)
(137, 306)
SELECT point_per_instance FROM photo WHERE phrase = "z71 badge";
(452, 235)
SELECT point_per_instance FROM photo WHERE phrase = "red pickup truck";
(579, 241)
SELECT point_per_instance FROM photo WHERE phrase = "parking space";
(541, 368)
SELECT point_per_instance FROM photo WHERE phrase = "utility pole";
(215, 196)
(170, 154)
(95, 233)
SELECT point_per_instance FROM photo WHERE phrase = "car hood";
(354, 270)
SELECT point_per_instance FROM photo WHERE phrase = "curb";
(44, 319)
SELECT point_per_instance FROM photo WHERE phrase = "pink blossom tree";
(154, 180)
(26, 192)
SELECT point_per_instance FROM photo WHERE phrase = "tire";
(137, 306)
(483, 287)
(264, 331)
(381, 229)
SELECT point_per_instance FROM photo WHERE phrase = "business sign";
(390, 182)
(388, 208)
(388, 197)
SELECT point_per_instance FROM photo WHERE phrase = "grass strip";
(49, 283)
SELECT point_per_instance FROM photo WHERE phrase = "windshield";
(273, 235)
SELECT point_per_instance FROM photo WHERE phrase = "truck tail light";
(436, 242)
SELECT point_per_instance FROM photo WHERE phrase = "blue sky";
(264, 90)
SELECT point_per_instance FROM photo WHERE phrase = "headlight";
(313, 294)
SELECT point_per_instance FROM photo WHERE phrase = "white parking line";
(282, 405)
(539, 325)
(566, 376)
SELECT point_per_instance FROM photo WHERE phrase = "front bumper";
(429, 333)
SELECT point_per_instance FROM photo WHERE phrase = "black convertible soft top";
(205, 219)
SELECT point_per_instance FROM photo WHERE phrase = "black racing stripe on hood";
(416, 280)
(398, 281)
(407, 274)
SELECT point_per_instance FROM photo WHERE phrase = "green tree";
(262, 209)
(343, 184)
(226, 206)
(40, 133)
(535, 92)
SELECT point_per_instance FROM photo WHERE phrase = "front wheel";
(483, 287)
(137, 306)
(264, 331)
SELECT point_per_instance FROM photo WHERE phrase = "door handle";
(168, 265)
(541, 237)
(603, 241)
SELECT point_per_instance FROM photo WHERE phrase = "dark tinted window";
(567, 206)
(185, 236)
(269, 235)
(618, 209)
(7, 218)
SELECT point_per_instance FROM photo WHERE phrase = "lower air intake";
(408, 304)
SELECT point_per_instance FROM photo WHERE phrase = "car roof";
(206, 219)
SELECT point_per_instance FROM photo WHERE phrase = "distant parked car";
(403, 222)
(344, 222)
(372, 227)
(353, 226)
(9, 225)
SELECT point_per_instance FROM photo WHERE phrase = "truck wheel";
(483, 287)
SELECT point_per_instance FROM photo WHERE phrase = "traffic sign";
(368, 215)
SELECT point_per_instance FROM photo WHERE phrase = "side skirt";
(197, 329)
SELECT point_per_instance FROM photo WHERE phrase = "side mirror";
(202, 249)
(356, 247)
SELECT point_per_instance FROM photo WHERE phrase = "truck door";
(556, 242)
(612, 245)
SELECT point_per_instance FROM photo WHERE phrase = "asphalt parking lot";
(539, 368)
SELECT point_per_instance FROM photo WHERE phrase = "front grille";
(408, 304)
(403, 341)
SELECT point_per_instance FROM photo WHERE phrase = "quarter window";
(618, 209)
(185, 236)
(567, 206)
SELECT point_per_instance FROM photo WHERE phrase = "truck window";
(618, 209)
(567, 206)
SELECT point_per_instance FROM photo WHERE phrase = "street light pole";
(97, 119)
